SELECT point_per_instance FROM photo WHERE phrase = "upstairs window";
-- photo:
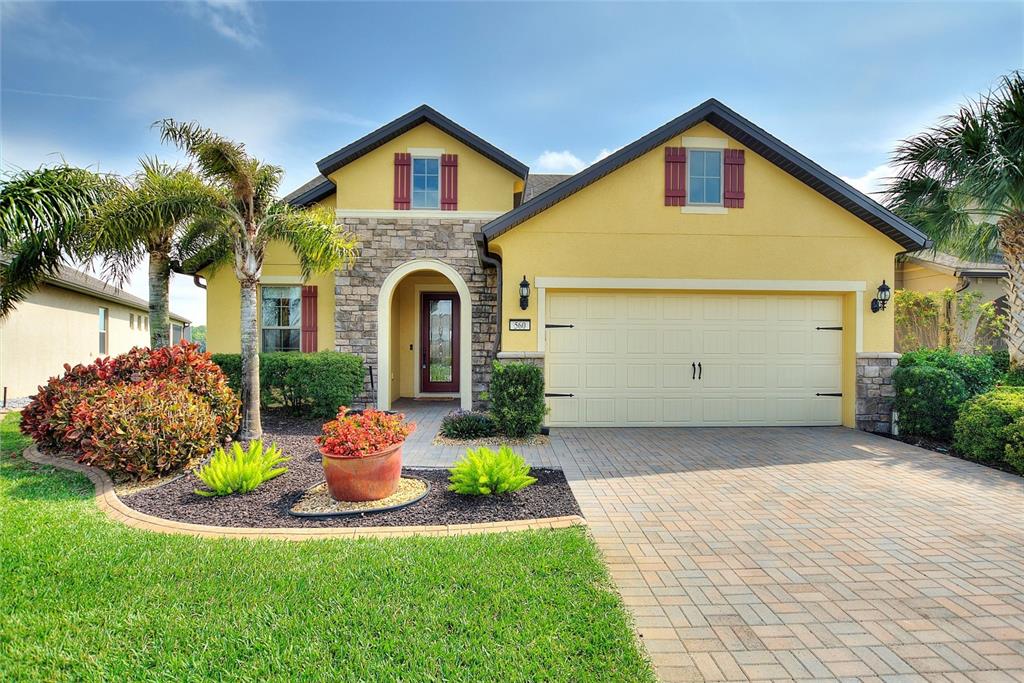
(426, 183)
(281, 318)
(704, 184)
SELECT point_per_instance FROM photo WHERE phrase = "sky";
(556, 85)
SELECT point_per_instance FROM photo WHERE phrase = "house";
(930, 271)
(705, 274)
(71, 318)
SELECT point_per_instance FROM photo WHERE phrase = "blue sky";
(555, 85)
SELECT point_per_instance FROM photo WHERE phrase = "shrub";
(927, 399)
(241, 471)
(517, 398)
(981, 431)
(359, 433)
(1000, 360)
(144, 428)
(467, 424)
(306, 383)
(977, 372)
(47, 418)
(484, 472)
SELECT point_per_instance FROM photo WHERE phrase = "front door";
(439, 342)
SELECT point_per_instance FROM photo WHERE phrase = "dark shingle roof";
(312, 191)
(958, 266)
(749, 135)
(69, 278)
(538, 183)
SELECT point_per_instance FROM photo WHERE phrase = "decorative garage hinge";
(549, 326)
(829, 328)
(547, 395)
(829, 394)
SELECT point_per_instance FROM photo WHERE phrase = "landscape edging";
(115, 509)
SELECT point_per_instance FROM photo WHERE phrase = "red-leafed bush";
(48, 417)
(143, 429)
(357, 434)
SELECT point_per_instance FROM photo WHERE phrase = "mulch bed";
(268, 505)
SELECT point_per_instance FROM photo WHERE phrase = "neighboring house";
(930, 271)
(705, 274)
(71, 318)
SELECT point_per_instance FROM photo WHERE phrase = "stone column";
(875, 391)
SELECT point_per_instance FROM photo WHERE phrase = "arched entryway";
(427, 287)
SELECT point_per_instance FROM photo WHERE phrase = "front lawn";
(83, 598)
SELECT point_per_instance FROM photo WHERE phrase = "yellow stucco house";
(71, 318)
(705, 274)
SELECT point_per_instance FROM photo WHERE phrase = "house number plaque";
(519, 324)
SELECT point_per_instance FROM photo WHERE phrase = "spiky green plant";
(483, 472)
(242, 470)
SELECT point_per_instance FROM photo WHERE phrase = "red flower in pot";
(362, 453)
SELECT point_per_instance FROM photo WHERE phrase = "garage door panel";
(629, 359)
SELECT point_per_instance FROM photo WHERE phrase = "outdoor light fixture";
(524, 293)
(879, 303)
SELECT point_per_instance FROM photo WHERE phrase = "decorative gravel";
(318, 500)
(268, 505)
(532, 440)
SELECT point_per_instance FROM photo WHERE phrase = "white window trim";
(103, 313)
(275, 281)
(720, 204)
(342, 214)
(705, 143)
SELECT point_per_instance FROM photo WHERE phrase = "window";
(176, 331)
(131, 321)
(705, 181)
(281, 317)
(104, 325)
(426, 183)
(146, 320)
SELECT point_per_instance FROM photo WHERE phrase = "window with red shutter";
(403, 172)
(449, 182)
(308, 342)
(733, 164)
(675, 176)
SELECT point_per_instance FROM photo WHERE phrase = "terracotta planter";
(370, 478)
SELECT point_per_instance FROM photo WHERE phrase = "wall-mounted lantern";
(878, 304)
(524, 294)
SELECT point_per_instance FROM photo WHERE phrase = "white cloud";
(874, 182)
(232, 19)
(565, 161)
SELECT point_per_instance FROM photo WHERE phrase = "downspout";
(492, 260)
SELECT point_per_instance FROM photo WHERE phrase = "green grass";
(84, 599)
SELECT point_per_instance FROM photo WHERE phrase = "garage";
(638, 358)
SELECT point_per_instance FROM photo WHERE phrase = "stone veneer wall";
(385, 244)
(875, 391)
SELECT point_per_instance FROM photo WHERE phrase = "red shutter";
(449, 182)
(309, 342)
(403, 180)
(675, 176)
(733, 185)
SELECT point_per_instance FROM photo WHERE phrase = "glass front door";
(439, 342)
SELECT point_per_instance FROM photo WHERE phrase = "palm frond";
(204, 243)
(319, 244)
(217, 158)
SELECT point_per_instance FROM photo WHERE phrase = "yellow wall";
(223, 303)
(919, 278)
(368, 182)
(54, 326)
(619, 227)
(405, 311)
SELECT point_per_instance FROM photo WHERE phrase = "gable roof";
(751, 136)
(309, 192)
(957, 266)
(538, 183)
(421, 114)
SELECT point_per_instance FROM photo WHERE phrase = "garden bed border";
(112, 506)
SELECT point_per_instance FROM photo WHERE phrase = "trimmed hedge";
(982, 431)
(467, 424)
(517, 398)
(314, 384)
(927, 399)
(978, 373)
(1014, 454)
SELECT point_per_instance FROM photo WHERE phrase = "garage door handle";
(700, 371)
(548, 395)
(694, 365)
(828, 394)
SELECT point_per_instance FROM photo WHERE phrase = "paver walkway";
(792, 553)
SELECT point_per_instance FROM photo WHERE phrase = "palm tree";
(149, 215)
(42, 217)
(962, 182)
(235, 226)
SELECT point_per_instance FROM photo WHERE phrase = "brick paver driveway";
(799, 553)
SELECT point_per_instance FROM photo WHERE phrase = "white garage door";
(662, 359)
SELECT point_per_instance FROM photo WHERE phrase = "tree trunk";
(1011, 242)
(252, 426)
(159, 296)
